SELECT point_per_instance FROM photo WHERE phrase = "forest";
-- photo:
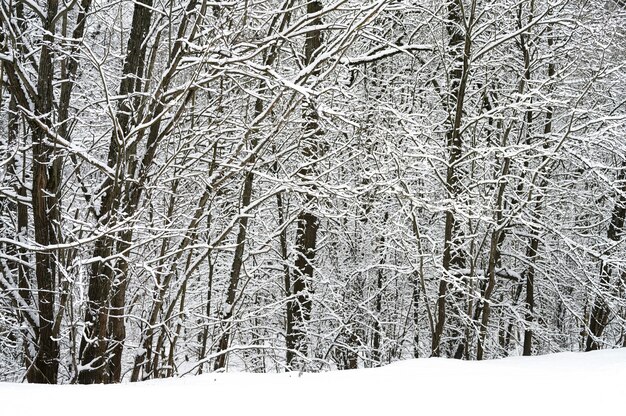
(203, 186)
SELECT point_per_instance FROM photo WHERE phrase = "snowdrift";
(559, 384)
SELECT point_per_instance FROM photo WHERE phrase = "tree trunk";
(308, 223)
(600, 311)
(46, 365)
(377, 329)
(26, 317)
(533, 247)
(531, 253)
(453, 256)
(235, 271)
(93, 347)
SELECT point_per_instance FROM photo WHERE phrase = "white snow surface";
(558, 384)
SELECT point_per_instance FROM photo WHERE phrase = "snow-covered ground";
(560, 384)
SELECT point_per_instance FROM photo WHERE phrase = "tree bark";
(600, 312)
(235, 272)
(533, 246)
(453, 255)
(45, 367)
(94, 343)
(308, 224)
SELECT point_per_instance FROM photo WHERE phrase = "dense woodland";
(307, 185)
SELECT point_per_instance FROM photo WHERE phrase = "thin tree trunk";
(533, 247)
(377, 335)
(282, 218)
(531, 254)
(235, 271)
(211, 271)
(205, 330)
(25, 303)
(145, 358)
(380, 276)
(246, 197)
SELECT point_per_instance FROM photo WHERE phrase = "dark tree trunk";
(531, 254)
(235, 271)
(301, 303)
(306, 234)
(138, 171)
(94, 344)
(377, 329)
(47, 175)
(147, 359)
(378, 299)
(600, 312)
(204, 337)
(533, 247)
(246, 198)
(25, 298)
(453, 255)
(282, 218)
(45, 367)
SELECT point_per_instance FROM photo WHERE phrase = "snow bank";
(559, 384)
